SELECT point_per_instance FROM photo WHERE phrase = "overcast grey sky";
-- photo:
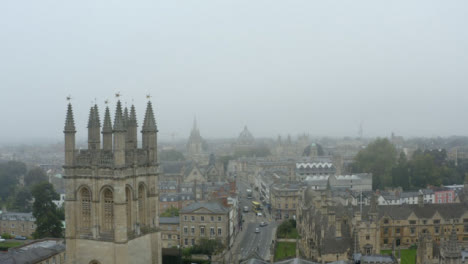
(278, 67)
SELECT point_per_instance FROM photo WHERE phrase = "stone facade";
(204, 220)
(170, 231)
(17, 224)
(284, 199)
(111, 207)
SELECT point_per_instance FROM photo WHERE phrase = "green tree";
(10, 173)
(171, 155)
(170, 212)
(34, 176)
(22, 200)
(45, 211)
(208, 246)
(378, 158)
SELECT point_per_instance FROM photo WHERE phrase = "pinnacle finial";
(132, 120)
(97, 120)
(119, 125)
(92, 115)
(125, 116)
(69, 121)
(107, 125)
(149, 123)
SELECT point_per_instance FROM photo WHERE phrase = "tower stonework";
(111, 208)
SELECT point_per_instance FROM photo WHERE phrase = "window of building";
(185, 230)
(367, 237)
(212, 231)
(219, 218)
(436, 229)
(202, 231)
(436, 222)
(142, 204)
(412, 222)
(424, 222)
(202, 218)
(385, 221)
(385, 241)
(212, 219)
(185, 218)
(192, 229)
(397, 230)
(219, 231)
(385, 230)
(85, 209)
(192, 218)
(186, 242)
(193, 241)
(108, 210)
(413, 230)
(12, 225)
(128, 208)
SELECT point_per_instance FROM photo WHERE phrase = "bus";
(256, 207)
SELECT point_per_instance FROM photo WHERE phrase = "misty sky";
(278, 67)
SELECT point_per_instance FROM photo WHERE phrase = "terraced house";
(204, 220)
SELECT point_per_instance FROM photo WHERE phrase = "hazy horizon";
(278, 67)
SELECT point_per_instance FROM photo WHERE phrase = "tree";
(378, 158)
(22, 200)
(208, 246)
(34, 176)
(45, 211)
(10, 173)
(171, 155)
(170, 212)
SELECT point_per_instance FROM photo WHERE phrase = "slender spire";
(149, 124)
(96, 116)
(125, 117)
(195, 127)
(107, 125)
(69, 121)
(132, 120)
(91, 117)
(118, 121)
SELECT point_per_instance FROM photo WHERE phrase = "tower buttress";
(149, 133)
(69, 132)
(119, 137)
(132, 125)
(107, 131)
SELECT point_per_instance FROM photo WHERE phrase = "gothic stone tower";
(111, 210)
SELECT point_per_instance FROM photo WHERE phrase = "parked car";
(257, 230)
(2, 239)
(259, 214)
(20, 238)
(263, 224)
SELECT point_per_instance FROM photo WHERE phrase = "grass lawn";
(10, 244)
(285, 250)
(408, 256)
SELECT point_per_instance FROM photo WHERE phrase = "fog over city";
(278, 67)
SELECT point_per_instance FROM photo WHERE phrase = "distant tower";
(195, 142)
(111, 208)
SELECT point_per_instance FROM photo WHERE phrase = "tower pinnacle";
(69, 121)
(118, 120)
(149, 123)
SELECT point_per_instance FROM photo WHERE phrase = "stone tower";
(111, 208)
(195, 143)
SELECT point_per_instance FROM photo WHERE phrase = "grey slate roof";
(214, 207)
(169, 220)
(31, 254)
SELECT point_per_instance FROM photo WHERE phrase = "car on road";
(2, 239)
(20, 238)
(263, 223)
(259, 214)
(257, 230)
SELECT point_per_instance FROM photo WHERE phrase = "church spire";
(91, 117)
(132, 129)
(97, 120)
(69, 121)
(149, 133)
(125, 117)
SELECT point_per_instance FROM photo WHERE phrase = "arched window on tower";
(128, 200)
(85, 196)
(108, 210)
(142, 204)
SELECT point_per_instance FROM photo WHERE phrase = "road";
(249, 240)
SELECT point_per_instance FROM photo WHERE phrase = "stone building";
(44, 251)
(170, 231)
(284, 199)
(17, 224)
(111, 207)
(204, 220)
